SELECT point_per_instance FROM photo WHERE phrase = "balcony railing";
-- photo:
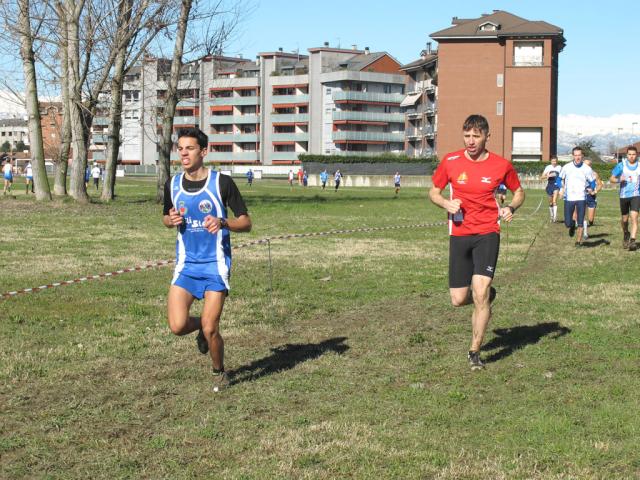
(290, 117)
(186, 120)
(231, 119)
(369, 136)
(420, 132)
(290, 137)
(99, 137)
(302, 98)
(375, 97)
(233, 137)
(369, 116)
(101, 120)
(235, 101)
(285, 155)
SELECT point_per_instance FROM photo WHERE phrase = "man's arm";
(172, 219)
(239, 224)
(451, 206)
(518, 199)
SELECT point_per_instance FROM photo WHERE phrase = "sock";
(551, 212)
(584, 227)
(555, 212)
(217, 372)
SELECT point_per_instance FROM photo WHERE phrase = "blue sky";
(599, 67)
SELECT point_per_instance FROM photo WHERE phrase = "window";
(527, 141)
(499, 108)
(131, 95)
(386, 88)
(328, 91)
(500, 80)
(526, 54)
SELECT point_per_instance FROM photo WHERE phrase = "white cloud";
(586, 125)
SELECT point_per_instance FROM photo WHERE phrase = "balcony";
(233, 137)
(101, 120)
(290, 137)
(186, 120)
(428, 109)
(235, 101)
(368, 136)
(99, 154)
(369, 116)
(99, 137)
(188, 102)
(290, 117)
(374, 97)
(233, 119)
(417, 133)
(285, 155)
(302, 98)
(233, 156)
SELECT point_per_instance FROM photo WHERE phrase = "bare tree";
(26, 35)
(137, 26)
(212, 28)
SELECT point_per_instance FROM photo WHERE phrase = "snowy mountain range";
(606, 133)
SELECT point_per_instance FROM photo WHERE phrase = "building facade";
(267, 111)
(12, 132)
(420, 106)
(506, 68)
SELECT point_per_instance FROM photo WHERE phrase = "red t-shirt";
(475, 183)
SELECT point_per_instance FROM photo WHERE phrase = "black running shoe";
(625, 240)
(572, 230)
(633, 246)
(474, 361)
(203, 345)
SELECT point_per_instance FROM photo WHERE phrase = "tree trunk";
(164, 161)
(115, 110)
(60, 180)
(78, 189)
(40, 180)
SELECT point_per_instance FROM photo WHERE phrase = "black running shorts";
(627, 204)
(472, 255)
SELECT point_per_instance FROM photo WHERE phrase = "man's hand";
(175, 219)
(452, 206)
(212, 224)
(505, 213)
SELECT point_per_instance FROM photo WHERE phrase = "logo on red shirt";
(462, 178)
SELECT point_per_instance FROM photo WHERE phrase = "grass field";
(346, 357)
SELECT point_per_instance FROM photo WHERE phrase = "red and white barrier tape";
(242, 245)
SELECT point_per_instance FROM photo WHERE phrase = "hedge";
(389, 158)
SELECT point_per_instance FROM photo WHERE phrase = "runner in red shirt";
(473, 175)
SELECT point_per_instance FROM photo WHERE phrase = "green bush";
(387, 158)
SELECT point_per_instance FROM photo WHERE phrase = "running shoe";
(579, 244)
(625, 240)
(633, 246)
(474, 361)
(203, 345)
(572, 230)
(220, 381)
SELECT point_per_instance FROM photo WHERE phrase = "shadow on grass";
(597, 243)
(599, 235)
(508, 340)
(285, 357)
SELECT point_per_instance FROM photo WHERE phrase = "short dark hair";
(576, 148)
(193, 132)
(631, 148)
(477, 122)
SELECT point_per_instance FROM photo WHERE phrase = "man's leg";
(554, 200)
(481, 311)
(178, 305)
(213, 303)
(633, 229)
(579, 214)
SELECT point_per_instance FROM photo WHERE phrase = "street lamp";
(633, 124)
(618, 156)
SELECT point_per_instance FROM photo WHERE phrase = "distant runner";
(551, 174)
(626, 174)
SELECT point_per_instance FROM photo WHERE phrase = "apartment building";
(12, 131)
(506, 68)
(267, 111)
(420, 105)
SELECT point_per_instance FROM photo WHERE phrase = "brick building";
(506, 68)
